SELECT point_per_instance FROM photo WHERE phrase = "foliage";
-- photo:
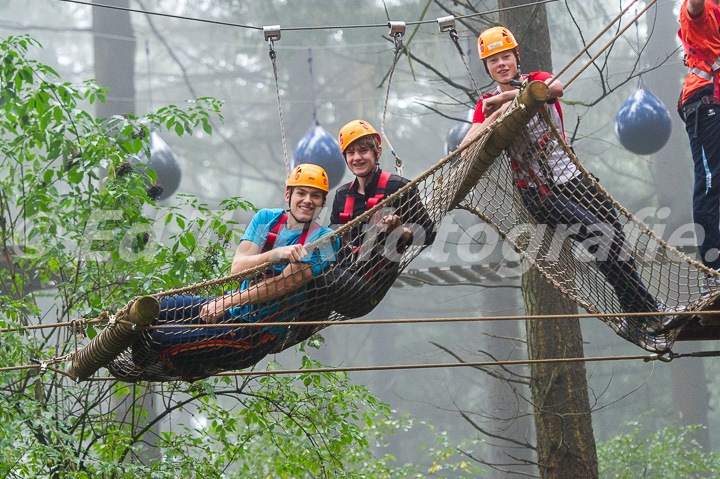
(669, 453)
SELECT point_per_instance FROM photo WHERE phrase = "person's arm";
(695, 7)
(556, 88)
(491, 104)
(248, 255)
(293, 277)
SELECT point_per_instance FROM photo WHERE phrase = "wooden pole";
(129, 323)
(530, 100)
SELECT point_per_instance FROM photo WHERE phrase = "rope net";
(537, 196)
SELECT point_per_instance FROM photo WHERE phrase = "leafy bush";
(670, 453)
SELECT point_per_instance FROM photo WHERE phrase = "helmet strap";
(296, 219)
(372, 172)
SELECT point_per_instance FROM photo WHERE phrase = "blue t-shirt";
(286, 307)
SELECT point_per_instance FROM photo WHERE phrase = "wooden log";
(129, 323)
(530, 100)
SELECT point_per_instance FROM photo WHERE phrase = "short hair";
(370, 142)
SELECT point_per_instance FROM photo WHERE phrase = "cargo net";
(537, 196)
(543, 201)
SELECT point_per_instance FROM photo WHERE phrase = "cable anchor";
(271, 33)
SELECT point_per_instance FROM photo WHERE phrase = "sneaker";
(668, 322)
(709, 284)
(639, 333)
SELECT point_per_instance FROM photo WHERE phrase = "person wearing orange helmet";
(276, 236)
(699, 107)
(405, 222)
(553, 189)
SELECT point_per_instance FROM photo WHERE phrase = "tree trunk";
(114, 45)
(565, 441)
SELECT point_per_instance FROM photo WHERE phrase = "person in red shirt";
(554, 191)
(699, 107)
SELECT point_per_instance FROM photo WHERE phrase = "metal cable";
(273, 56)
(478, 364)
(324, 27)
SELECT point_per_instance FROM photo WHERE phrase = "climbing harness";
(277, 228)
(347, 213)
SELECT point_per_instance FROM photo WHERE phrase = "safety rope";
(607, 45)
(397, 30)
(460, 319)
(272, 33)
(72, 323)
(312, 86)
(478, 364)
(665, 357)
(447, 24)
(612, 41)
(463, 319)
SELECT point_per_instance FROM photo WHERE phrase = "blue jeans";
(580, 206)
(705, 149)
(199, 352)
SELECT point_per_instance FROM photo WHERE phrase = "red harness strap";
(275, 231)
(347, 213)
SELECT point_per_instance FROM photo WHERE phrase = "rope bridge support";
(530, 101)
(115, 338)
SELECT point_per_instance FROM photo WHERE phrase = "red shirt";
(702, 34)
(478, 117)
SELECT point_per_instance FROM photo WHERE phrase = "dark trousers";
(199, 352)
(578, 205)
(705, 149)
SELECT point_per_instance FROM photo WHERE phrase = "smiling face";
(305, 202)
(502, 66)
(362, 154)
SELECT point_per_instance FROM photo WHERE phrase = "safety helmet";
(495, 40)
(308, 174)
(354, 130)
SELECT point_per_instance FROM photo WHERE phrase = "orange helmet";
(308, 174)
(495, 40)
(354, 130)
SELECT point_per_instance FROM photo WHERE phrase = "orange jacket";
(703, 34)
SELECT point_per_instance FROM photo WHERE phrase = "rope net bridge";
(586, 244)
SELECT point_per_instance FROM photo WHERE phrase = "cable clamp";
(397, 30)
(447, 24)
(112, 321)
(43, 365)
(271, 33)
